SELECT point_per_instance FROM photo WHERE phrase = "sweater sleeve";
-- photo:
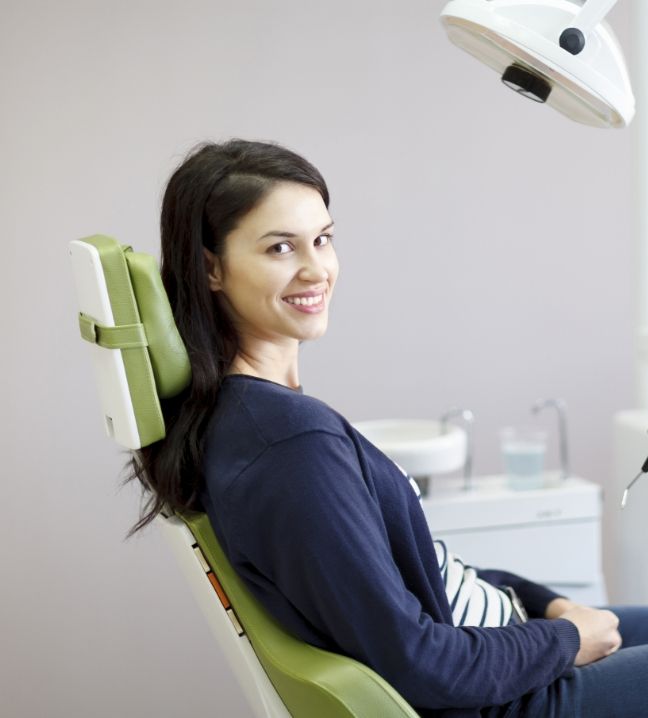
(303, 515)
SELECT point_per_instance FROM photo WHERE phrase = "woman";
(325, 530)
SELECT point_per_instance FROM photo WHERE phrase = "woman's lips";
(314, 309)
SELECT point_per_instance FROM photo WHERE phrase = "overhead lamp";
(557, 52)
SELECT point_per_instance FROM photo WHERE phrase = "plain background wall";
(487, 260)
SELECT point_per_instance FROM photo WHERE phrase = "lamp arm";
(591, 14)
(573, 38)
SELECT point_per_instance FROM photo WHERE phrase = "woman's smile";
(310, 302)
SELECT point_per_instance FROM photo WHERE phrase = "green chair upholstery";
(312, 683)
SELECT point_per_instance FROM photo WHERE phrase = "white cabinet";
(550, 535)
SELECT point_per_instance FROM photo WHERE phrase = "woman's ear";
(214, 270)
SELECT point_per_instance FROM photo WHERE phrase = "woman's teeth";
(305, 301)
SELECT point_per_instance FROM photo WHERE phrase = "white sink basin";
(417, 444)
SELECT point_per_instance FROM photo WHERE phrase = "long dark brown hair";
(213, 188)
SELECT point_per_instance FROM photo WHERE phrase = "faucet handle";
(465, 414)
(468, 416)
(560, 405)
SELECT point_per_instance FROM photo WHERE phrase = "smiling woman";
(325, 530)
(240, 298)
(276, 294)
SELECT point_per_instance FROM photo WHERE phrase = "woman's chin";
(313, 332)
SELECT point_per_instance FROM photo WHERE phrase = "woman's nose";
(313, 269)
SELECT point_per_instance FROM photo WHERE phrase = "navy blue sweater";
(329, 536)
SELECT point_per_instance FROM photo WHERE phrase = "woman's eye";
(281, 248)
(323, 240)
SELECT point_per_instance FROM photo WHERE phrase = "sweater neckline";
(244, 377)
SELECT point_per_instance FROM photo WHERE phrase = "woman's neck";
(274, 366)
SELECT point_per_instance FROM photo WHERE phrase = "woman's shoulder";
(272, 411)
(253, 416)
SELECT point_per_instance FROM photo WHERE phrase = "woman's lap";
(633, 624)
(614, 687)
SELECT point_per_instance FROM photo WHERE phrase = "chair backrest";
(139, 357)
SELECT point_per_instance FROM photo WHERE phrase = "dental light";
(558, 52)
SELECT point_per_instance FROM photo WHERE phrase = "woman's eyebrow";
(277, 233)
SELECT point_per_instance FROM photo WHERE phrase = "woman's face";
(279, 267)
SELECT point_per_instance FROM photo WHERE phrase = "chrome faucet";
(561, 408)
(469, 418)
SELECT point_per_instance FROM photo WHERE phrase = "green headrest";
(154, 355)
(165, 347)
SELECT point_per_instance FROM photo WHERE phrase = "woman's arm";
(535, 598)
(305, 518)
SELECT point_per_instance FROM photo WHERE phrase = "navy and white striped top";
(473, 601)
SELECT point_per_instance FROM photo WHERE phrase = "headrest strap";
(125, 336)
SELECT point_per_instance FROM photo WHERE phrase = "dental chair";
(139, 358)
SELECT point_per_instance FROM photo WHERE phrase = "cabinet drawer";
(552, 553)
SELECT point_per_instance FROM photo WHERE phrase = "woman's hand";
(598, 629)
(558, 606)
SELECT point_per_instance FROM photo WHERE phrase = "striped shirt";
(473, 601)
